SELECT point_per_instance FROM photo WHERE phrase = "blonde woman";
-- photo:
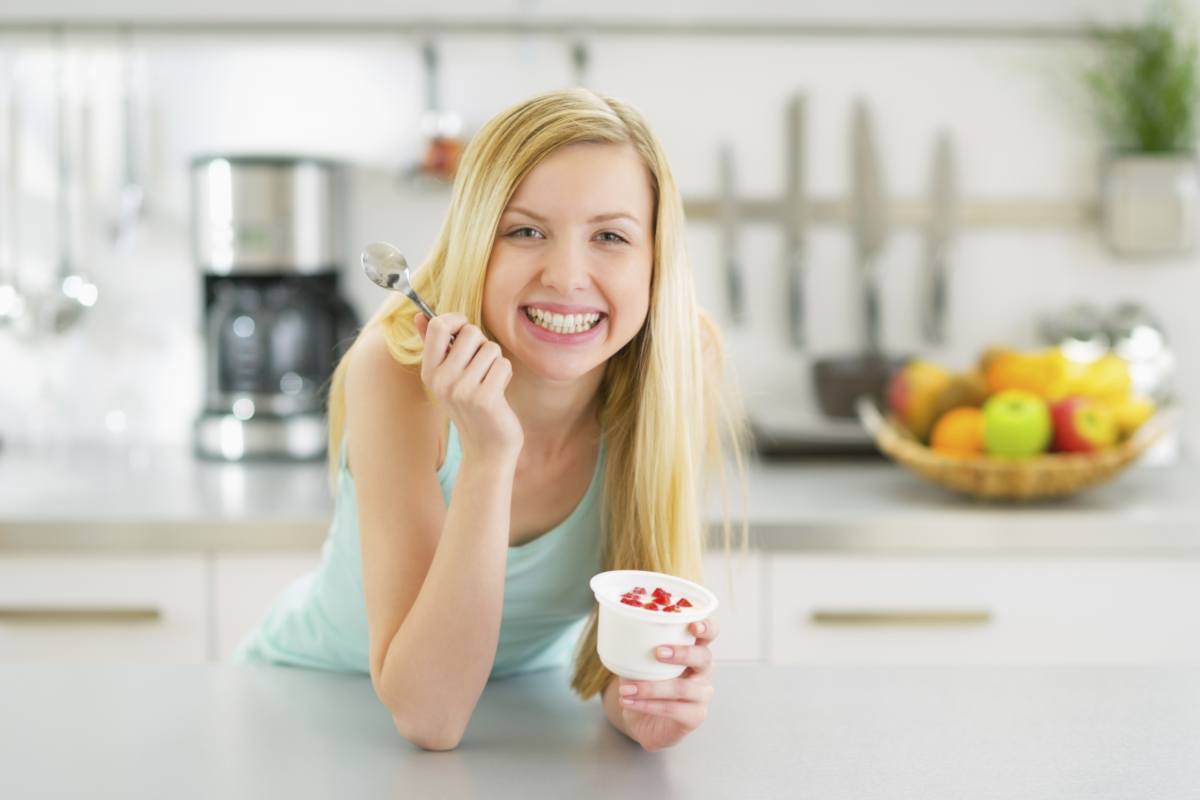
(567, 429)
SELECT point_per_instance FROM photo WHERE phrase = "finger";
(466, 344)
(437, 337)
(705, 630)
(420, 324)
(477, 370)
(498, 376)
(688, 715)
(697, 656)
(693, 691)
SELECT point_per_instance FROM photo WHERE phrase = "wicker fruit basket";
(1048, 475)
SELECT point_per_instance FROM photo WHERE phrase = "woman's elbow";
(427, 738)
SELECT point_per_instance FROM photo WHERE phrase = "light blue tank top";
(320, 620)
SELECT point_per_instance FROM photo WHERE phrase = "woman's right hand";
(468, 377)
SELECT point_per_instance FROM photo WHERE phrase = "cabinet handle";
(99, 615)
(916, 617)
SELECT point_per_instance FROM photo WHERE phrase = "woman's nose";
(565, 268)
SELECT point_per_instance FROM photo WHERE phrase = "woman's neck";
(555, 415)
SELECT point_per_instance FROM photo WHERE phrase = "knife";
(795, 220)
(729, 228)
(942, 203)
(869, 218)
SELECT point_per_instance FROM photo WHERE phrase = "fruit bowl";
(1047, 475)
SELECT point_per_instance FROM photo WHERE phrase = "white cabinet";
(737, 580)
(244, 588)
(109, 609)
(901, 610)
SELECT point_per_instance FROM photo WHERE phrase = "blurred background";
(135, 93)
(185, 190)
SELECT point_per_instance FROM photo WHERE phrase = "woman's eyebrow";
(597, 218)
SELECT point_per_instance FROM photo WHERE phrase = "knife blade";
(795, 221)
(941, 227)
(869, 216)
(729, 236)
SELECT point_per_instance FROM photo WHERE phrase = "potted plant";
(1145, 90)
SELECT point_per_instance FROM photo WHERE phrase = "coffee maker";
(266, 235)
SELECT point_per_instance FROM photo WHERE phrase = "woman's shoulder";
(389, 400)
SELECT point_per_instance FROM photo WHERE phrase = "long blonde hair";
(657, 459)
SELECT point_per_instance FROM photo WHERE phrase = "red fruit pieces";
(659, 600)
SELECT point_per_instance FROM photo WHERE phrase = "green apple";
(1016, 424)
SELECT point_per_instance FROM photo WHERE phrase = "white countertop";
(168, 499)
(934, 733)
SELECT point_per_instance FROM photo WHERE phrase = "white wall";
(360, 99)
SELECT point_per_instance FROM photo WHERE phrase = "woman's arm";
(433, 576)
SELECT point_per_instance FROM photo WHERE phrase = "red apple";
(1081, 425)
(913, 392)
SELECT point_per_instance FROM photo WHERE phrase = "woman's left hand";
(660, 713)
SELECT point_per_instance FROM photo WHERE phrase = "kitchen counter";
(862, 733)
(166, 499)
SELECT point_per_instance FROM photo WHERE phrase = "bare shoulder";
(387, 399)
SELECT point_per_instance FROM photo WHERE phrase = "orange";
(959, 432)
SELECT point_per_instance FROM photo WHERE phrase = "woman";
(564, 430)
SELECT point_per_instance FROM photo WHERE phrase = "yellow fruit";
(1106, 378)
(1131, 413)
(964, 389)
(959, 432)
(1043, 373)
(913, 392)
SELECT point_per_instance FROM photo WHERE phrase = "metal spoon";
(386, 267)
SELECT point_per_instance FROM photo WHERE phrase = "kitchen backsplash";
(131, 372)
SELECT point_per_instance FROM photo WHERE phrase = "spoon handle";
(421, 304)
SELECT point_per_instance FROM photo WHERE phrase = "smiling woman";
(568, 428)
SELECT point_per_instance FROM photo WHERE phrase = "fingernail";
(701, 627)
(664, 652)
(628, 690)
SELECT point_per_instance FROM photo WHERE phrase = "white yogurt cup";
(628, 635)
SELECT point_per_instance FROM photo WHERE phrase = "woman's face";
(555, 252)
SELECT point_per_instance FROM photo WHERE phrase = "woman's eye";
(519, 230)
(616, 237)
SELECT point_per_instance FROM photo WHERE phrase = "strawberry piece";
(639, 590)
(650, 607)
(683, 603)
(670, 608)
(630, 601)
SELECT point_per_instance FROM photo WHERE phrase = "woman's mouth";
(563, 328)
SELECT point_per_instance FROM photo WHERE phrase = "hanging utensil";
(442, 129)
(795, 221)
(842, 380)
(870, 218)
(940, 229)
(11, 301)
(131, 198)
(729, 237)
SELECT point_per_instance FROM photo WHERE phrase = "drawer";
(896, 610)
(108, 609)
(737, 581)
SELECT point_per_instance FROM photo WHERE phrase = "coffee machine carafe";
(266, 235)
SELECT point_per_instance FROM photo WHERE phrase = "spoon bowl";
(385, 265)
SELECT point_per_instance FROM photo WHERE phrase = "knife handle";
(871, 312)
(795, 297)
(733, 289)
(934, 318)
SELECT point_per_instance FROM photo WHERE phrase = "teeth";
(562, 323)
